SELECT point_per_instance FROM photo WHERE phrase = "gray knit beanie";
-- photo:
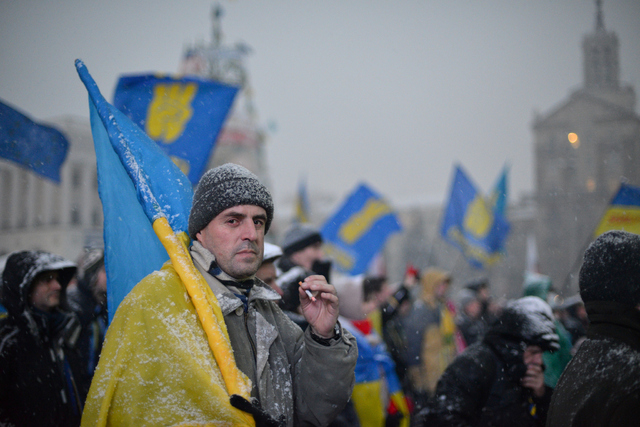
(222, 188)
(611, 269)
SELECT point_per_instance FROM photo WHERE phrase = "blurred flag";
(146, 183)
(623, 212)
(184, 116)
(497, 200)
(302, 203)
(358, 230)
(472, 226)
(40, 148)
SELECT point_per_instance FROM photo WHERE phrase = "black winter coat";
(601, 384)
(482, 388)
(38, 361)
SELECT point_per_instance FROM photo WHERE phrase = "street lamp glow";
(573, 139)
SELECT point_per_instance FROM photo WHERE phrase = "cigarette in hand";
(308, 292)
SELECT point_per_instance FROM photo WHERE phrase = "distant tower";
(241, 139)
(584, 148)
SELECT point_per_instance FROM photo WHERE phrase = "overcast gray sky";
(391, 93)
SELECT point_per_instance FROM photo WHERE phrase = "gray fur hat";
(222, 188)
(611, 269)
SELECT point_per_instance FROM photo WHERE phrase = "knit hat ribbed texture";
(222, 188)
(611, 269)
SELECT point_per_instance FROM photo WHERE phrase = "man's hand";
(322, 314)
(534, 379)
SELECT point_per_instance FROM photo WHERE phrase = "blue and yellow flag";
(40, 148)
(497, 200)
(358, 230)
(137, 182)
(471, 225)
(623, 212)
(184, 116)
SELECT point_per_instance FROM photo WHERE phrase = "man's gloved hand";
(260, 416)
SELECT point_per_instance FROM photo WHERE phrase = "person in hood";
(89, 301)
(499, 381)
(601, 384)
(433, 339)
(268, 272)
(39, 363)
(539, 285)
(157, 366)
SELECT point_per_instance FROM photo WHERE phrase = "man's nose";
(249, 231)
(54, 284)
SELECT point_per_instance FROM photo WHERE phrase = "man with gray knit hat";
(296, 378)
(601, 384)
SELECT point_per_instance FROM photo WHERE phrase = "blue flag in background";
(358, 230)
(498, 198)
(184, 116)
(471, 225)
(132, 198)
(40, 148)
(623, 213)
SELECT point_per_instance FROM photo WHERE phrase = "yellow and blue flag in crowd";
(497, 200)
(359, 229)
(40, 148)
(302, 203)
(183, 115)
(623, 213)
(470, 224)
(129, 165)
(137, 182)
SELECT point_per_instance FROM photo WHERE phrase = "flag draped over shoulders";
(137, 181)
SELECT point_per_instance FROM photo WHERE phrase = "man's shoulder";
(161, 283)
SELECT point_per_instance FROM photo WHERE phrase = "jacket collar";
(226, 295)
(612, 319)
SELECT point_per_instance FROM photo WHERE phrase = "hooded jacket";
(433, 340)
(482, 385)
(601, 384)
(156, 366)
(39, 364)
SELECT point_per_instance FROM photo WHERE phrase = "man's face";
(533, 355)
(307, 256)
(236, 238)
(45, 292)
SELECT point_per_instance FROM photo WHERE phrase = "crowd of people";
(314, 346)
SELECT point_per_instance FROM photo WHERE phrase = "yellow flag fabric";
(156, 366)
(206, 305)
(367, 401)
